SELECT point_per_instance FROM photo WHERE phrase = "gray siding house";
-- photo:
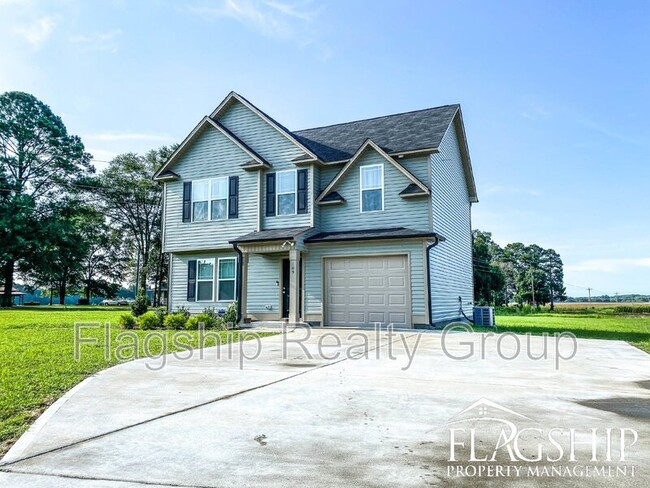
(346, 225)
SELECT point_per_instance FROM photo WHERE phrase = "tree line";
(515, 273)
(64, 228)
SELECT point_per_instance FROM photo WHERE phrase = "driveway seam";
(199, 405)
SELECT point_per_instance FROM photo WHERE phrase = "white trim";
(196, 285)
(361, 189)
(263, 116)
(356, 156)
(218, 280)
(227, 199)
(207, 200)
(277, 192)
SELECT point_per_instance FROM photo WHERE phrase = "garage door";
(362, 291)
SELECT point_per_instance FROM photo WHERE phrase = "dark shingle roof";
(332, 196)
(272, 235)
(369, 234)
(410, 131)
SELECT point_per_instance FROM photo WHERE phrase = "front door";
(286, 273)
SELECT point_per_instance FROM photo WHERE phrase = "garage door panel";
(366, 290)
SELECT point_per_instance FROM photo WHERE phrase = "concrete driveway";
(310, 414)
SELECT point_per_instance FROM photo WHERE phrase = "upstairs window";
(226, 279)
(200, 190)
(219, 198)
(372, 188)
(286, 192)
(204, 280)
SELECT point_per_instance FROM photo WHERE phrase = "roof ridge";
(378, 117)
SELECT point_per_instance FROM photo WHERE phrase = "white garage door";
(362, 291)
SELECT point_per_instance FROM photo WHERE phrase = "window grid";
(368, 187)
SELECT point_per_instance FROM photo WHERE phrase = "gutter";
(428, 249)
(240, 267)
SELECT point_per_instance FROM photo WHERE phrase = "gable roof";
(267, 118)
(405, 132)
(196, 132)
(368, 144)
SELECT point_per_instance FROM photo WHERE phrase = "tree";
(489, 278)
(133, 202)
(39, 163)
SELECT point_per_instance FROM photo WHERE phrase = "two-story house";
(351, 224)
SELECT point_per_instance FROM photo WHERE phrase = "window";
(226, 280)
(200, 200)
(372, 188)
(286, 192)
(204, 280)
(219, 198)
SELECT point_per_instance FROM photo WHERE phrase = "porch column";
(244, 285)
(294, 286)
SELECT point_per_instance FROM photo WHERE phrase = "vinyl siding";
(419, 167)
(314, 271)
(263, 273)
(274, 148)
(398, 212)
(451, 260)
(327, 174)
(178, 296)
(212, 155)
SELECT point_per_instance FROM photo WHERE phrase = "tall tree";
(489, 278)
(133, 202)
(39, 163)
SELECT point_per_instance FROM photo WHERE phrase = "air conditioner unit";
(484, 317)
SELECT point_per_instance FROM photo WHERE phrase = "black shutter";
(191, 280)
(187, 201)
(302, 191)
(233, 197)
(270, 194)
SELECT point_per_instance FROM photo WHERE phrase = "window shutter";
(187, 201)
(191, 280)
(270, 194)
(233, 197)
(302, 191)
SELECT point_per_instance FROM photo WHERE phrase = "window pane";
(204, 291)
(227, 269)
(219, 209)
(205, 269)
(371, 200)
(199, 190)
(227, 290)
(219, 188)
(287, 204)
(287, 182)
(200, 210)
(370, 177)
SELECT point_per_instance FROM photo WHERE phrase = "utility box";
(484, 317)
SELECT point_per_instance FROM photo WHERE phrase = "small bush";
(184, 311)
(192, 323)
(230, 317)
(175, 321)
(140, 305)
(127, 321)
(202, 318)
(161, 312)
(211, 312)
(149, 320)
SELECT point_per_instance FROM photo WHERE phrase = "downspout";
(428, 249)
(240, 265)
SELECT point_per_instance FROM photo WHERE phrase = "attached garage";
(364, 290)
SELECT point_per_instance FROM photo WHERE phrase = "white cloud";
(513, 190)
(126, 136)
(271, 18)
(99, 41)
(37, 32)
(609, 265)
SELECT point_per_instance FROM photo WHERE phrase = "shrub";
(161, 312)
(127, 321)
(211, 312)
(175, 321)
(230, 317)
(202, 318)
(183, 311)
(192, 323)
(149, 320)
(140, 305)
(83, 301)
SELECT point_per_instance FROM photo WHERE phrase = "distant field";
(37, 363)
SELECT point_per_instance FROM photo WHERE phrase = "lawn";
(37, 362)
(634, 329)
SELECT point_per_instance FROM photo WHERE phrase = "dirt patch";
(638, 408)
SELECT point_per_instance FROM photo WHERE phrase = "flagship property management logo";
(487, 440)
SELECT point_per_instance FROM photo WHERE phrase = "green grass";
(631, 328)
(37, 362)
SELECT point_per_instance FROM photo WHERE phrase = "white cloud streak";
(126, 136)
(98, 41)
(38, 31)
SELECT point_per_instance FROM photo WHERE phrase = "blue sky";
(555, 95)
